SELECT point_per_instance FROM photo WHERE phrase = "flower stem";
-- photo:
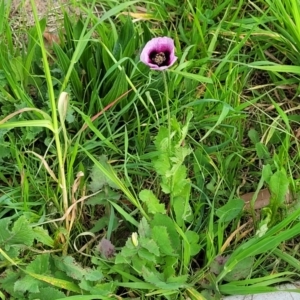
(168, 109)
(169, 136)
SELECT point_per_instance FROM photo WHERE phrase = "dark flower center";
(160, 58)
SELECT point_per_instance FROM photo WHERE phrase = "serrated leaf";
(85, 285)
(7, 282)
(27, 284)
(178, 280)
(193, 238)
(181, 206)
(22, 232)
(153, 277)
(153, 204)
(103, 289)
(180, 154)
(12, 252)
(94, 275)
(70, 266)
(5, 149)
(161, 237)
(127, 252)
(146, 255)
(4, 232)
(159, 142)
(73, 268)
(30, 133)
(42, 236)
(150, 245)
(164, 220)
(179, 180)
(162, 164)
(166, 185)
(144, 228)
(170, 266)
(129, 244)
(179, 209)
(120, 259)
(40, 264)
(137, 263)
(173, 283)
(47, 293)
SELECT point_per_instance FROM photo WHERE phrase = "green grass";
(121, 182)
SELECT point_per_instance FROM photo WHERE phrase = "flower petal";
(157, 45)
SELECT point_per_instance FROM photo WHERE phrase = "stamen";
(159, 58)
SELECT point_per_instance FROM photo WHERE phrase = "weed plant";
(120, 182)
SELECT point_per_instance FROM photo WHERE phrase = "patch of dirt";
(21, 12)
(22, 17)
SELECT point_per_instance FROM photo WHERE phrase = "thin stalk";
(169, 129)
(168, 109)
(56, 129)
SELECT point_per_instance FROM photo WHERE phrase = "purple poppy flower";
(159, 53)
